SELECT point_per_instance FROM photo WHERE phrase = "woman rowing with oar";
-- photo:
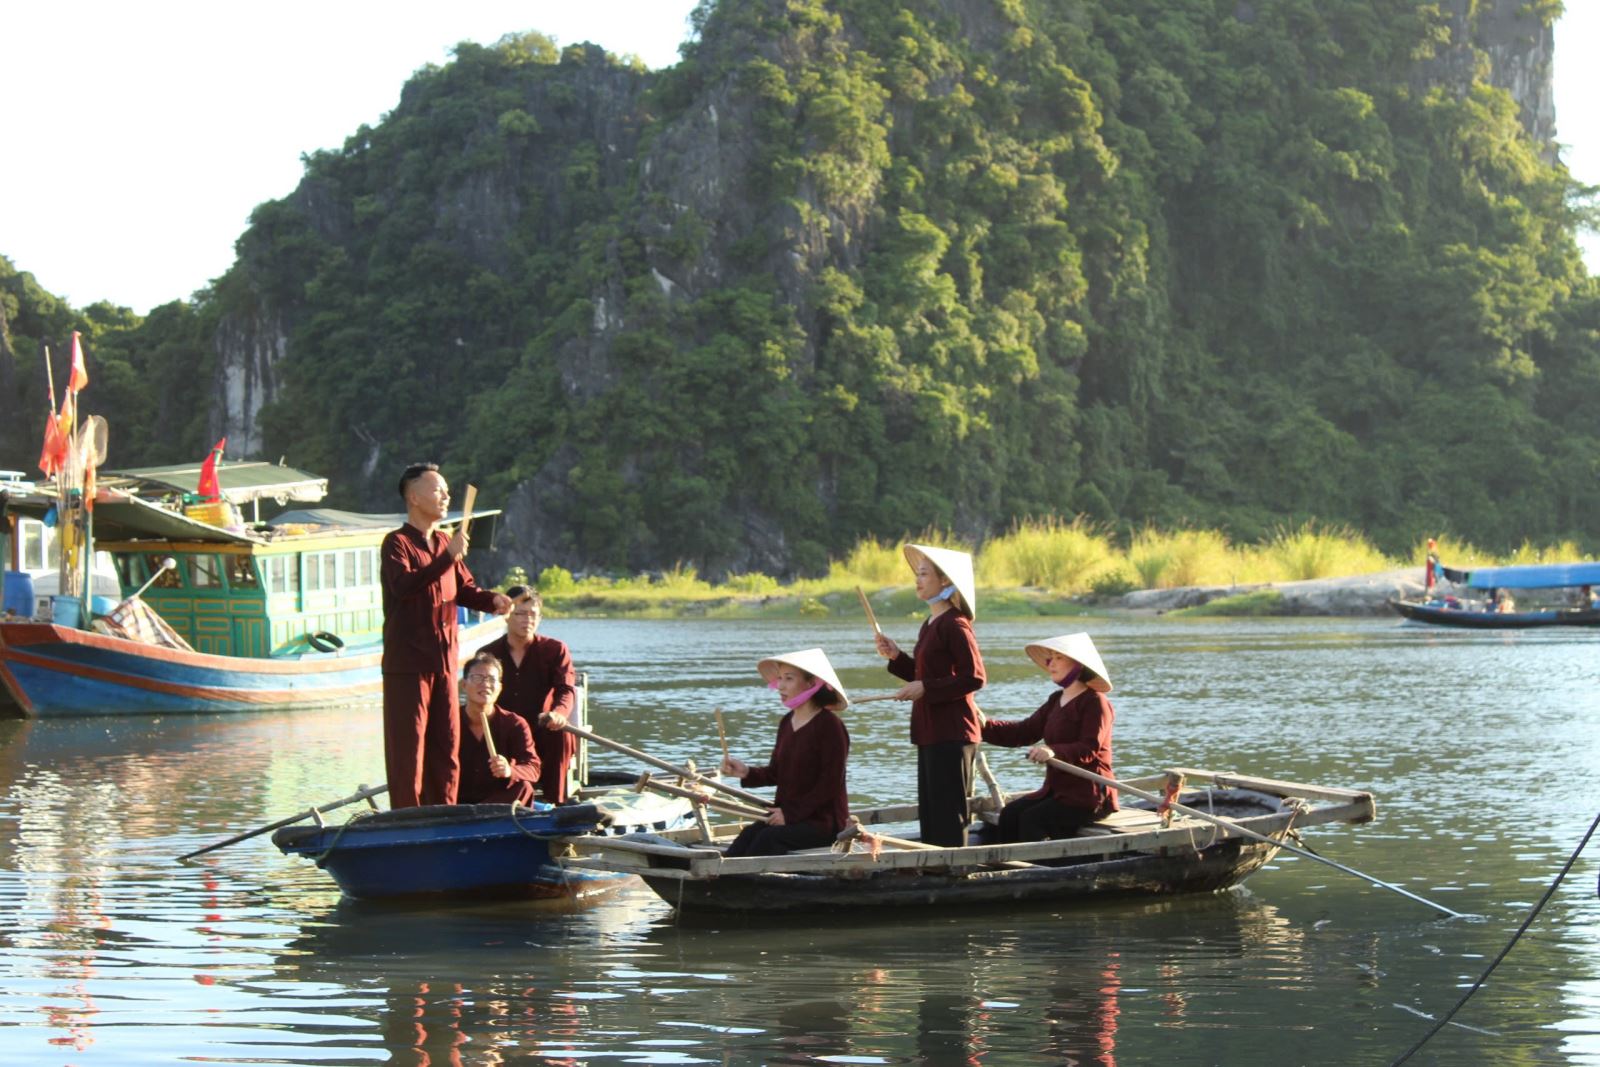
(807, 764)
(942, 673)
(498, 761)
(1074, 725)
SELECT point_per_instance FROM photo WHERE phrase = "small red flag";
(208, 488)
(80, 373)
(53, 456)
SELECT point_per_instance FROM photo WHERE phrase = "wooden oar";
(727, 807)
(866, 606)
(853, 829)
(365, 793)
(1235, 828)
(685, 773)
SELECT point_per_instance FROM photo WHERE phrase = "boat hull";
(473, 851)
(48, 671)
(1220, 866)
(1467, 618)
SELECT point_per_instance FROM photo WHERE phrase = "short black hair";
(517, 592)
(412, 473)
(487, 659)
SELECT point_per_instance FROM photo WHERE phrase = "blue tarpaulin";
(1526, 576)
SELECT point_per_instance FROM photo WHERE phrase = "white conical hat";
(1080, 649)
(814, 662)
(954, 565)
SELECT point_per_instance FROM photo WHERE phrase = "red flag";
(53, 456)
(209, 490)
(80, 373)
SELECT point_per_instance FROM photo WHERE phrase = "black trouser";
(759, 839)
(944, 781)
(1041, 818)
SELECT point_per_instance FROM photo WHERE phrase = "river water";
(1481, 749)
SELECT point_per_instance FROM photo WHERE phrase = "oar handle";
(870, 699)
(866, 606)
(726, 806)
(1234, 828)
(681, 772)
(365, 793)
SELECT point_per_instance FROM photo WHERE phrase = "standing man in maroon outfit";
(423, 582)
(539, 685)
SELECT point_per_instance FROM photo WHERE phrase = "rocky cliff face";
(1518, 51)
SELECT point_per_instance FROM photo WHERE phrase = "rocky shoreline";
(1361, 594)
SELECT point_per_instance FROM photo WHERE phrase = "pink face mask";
(800, 698)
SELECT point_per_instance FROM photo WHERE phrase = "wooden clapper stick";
(866, 606)
(1234, 828)
(466, 510)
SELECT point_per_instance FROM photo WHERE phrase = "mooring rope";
(1484, 977)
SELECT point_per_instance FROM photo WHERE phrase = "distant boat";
(286, 613)
(1573, 581)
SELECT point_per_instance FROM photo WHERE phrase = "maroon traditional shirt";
(807, 766)
(1078, 733)
(543, 681)
(511, 740)
(421, 587)
(947, 662)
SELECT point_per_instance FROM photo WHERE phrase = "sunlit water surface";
(1481, 748)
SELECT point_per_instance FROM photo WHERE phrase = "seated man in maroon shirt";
(507, 773)
(423, 581)
(538, 685)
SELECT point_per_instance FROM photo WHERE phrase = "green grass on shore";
(1042, 567)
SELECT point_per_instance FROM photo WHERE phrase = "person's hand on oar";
(552, 720)
(1041, 753)
(910, 691)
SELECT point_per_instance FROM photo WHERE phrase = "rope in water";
(1484, 977)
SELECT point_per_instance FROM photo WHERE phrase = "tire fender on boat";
(323, 641)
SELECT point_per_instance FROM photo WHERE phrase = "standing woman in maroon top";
(511, 774)
(942, 673)
(538, 685)
(423, 581)
(807, 764)
(1072, 725)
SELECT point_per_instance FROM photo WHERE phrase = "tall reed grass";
(1062, 557)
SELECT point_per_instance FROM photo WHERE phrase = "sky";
(141, 135)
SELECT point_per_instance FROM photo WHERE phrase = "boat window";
(313, 571)
(283, 574)
(203, 572)
(37, 549)
(369, 560)
(330, 570)
(242, 573)
(125, 570)
(164, 580)
(352, 569)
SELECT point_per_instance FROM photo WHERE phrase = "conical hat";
(954, 565)
(1080, 649)
(814, 662)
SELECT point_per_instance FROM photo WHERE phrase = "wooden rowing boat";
(1130, 854)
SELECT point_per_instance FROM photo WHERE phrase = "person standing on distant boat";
(942, 673)
(511, 774)
(423, 582)
(810, 806)
(540, 687)
(1072, 725)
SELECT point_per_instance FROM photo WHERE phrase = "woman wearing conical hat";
(807, 762)
(1072, 725)
(941, 674)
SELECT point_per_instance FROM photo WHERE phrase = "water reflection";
(109, 949)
